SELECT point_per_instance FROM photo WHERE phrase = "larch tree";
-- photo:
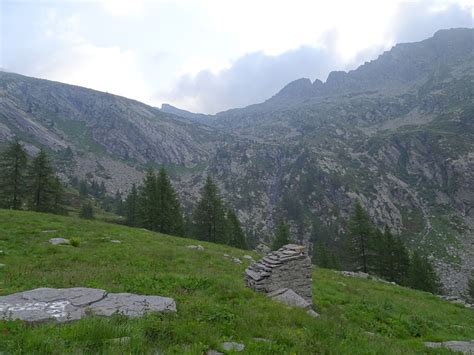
(361, 240)
(209, 222)
(13, 164)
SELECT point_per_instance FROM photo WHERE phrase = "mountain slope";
(397, 134)
(357, 316)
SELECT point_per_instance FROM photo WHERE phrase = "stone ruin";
(284, 275)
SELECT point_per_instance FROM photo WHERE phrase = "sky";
(209, 55)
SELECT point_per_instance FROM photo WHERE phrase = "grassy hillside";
(357, 316)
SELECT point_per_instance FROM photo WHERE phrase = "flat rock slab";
(465, 347)
(69, 304)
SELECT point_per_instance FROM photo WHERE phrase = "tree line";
(154, 205)
(370, 250)
(29, 184)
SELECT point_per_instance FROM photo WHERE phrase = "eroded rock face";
(287, 268)
(68, 304)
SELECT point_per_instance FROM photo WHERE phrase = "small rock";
(50, 231)
(2, 252)
(214, 352)
(226, 255)
(2, 265)
(262, 340)
(196, 247)
(115, 241)
(121, 341)
(58, 241)
(312, 313)
(237, 261)
(231, 346)
(248, 257)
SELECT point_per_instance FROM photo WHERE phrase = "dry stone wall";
(286, 268)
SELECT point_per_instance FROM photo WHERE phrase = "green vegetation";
(29, 185)
(357, 316)
(209, 222)
(13, 164)
(87, 211)
(470, 288)
(361, 240)
(282, 234)
(370, 250)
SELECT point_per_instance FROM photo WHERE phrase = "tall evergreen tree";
(170, 216)
(118, 203)
(148, 200)
(360, 240)
(235, 232)
(209, 222)
(470, 288)
(421, 275)
(13, 163)
(402, 262)
(320, 255)
(41, 184)
(282, 234)
(83, 188)
(131, 207)
(57, 190)
(87, 211)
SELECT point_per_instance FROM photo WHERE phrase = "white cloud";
(74, 60)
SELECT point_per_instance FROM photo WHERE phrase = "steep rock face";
(397, 134)
(58, 115)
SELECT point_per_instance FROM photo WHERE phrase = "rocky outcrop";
(69, 304)
(286, 268)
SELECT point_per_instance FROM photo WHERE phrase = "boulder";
(68, 304)
(289, 297)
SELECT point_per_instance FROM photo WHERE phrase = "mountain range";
(397, 134)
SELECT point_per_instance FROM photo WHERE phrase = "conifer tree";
(209, 222)
(360, 240)
(131, 207)
(170, 217)
(402, 262)
(41, 184)
(118, 203)
(470, 288)
(421, 275)
(148, 200)
(83, 188)
(320, 255)
(235, 232)
(57, 190)
(13, 163)
(87, 211)
(282, 234)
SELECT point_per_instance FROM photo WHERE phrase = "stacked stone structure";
(286, 268)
